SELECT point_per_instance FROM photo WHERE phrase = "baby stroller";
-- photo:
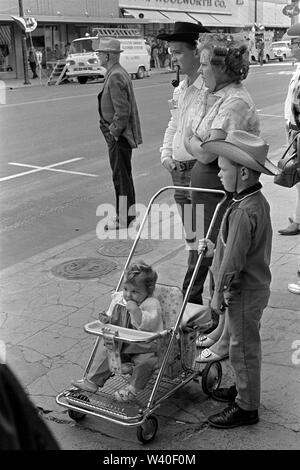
(176, 345)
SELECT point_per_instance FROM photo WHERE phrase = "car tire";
(140, 73)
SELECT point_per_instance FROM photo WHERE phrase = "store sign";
(291, 10)
(27, 24)
(207, 6)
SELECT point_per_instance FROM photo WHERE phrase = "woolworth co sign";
(180, 5)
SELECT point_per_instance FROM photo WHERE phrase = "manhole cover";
(84, 268)
(122, 248)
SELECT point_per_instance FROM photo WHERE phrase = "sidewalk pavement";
(43, 315)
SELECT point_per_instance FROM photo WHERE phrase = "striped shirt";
(184, 107)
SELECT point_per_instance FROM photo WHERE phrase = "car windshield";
(280, 44)
(82, 45)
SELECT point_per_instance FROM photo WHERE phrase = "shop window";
(7, 59)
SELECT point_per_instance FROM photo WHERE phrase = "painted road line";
(37, 168)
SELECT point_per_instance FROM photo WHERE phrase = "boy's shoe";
(226, 395)
(128, 393)
(86, 385)
(232, 417)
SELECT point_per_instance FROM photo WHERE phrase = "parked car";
(83, 62)
(282, 50)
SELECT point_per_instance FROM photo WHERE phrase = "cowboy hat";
(184, 32)
(294, 30)
(245, 149)
(107, 45)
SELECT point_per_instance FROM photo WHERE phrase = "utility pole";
(294, 19)
(255, 11)
(24, 47)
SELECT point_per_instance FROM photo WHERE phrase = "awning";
(179, 16)
(207, 20)
(228, 21)
(154, 16)
(82, 20)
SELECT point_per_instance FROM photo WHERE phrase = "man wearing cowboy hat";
(120, 125)
(185, 105)
(240, 269)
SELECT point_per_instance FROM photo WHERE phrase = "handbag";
(289, 165)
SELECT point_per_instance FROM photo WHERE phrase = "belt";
(186, 165)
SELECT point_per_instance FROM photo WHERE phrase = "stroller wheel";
(76, 416)
(147, 431)
(211, 377)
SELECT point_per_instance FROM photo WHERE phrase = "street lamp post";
(294, 19)
(24, 47)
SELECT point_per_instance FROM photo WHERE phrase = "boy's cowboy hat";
(184, 32)
(107, 45)
(294, 30)
(244, 149)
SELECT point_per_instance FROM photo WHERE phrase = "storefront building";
(218, 15)
(61, 21)
(58, 23)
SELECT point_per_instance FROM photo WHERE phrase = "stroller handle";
(167, 188)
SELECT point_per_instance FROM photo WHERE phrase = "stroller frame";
(160, 387)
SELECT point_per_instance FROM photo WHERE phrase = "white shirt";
(288, 114)
(184, 106)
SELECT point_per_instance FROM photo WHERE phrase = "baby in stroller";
(136, 308)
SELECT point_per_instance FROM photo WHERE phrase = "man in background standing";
(120, 125)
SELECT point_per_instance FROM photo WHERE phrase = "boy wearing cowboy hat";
(120, 126)
(240, 269)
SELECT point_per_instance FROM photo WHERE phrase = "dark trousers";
(120, 154)
(33, 69)
(210, 202)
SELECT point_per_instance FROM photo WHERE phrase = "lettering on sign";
(182, 5)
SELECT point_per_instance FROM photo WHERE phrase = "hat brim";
(239, 156)
(108, 50)
(182, 37)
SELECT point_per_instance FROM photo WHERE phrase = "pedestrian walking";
(120, 126)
